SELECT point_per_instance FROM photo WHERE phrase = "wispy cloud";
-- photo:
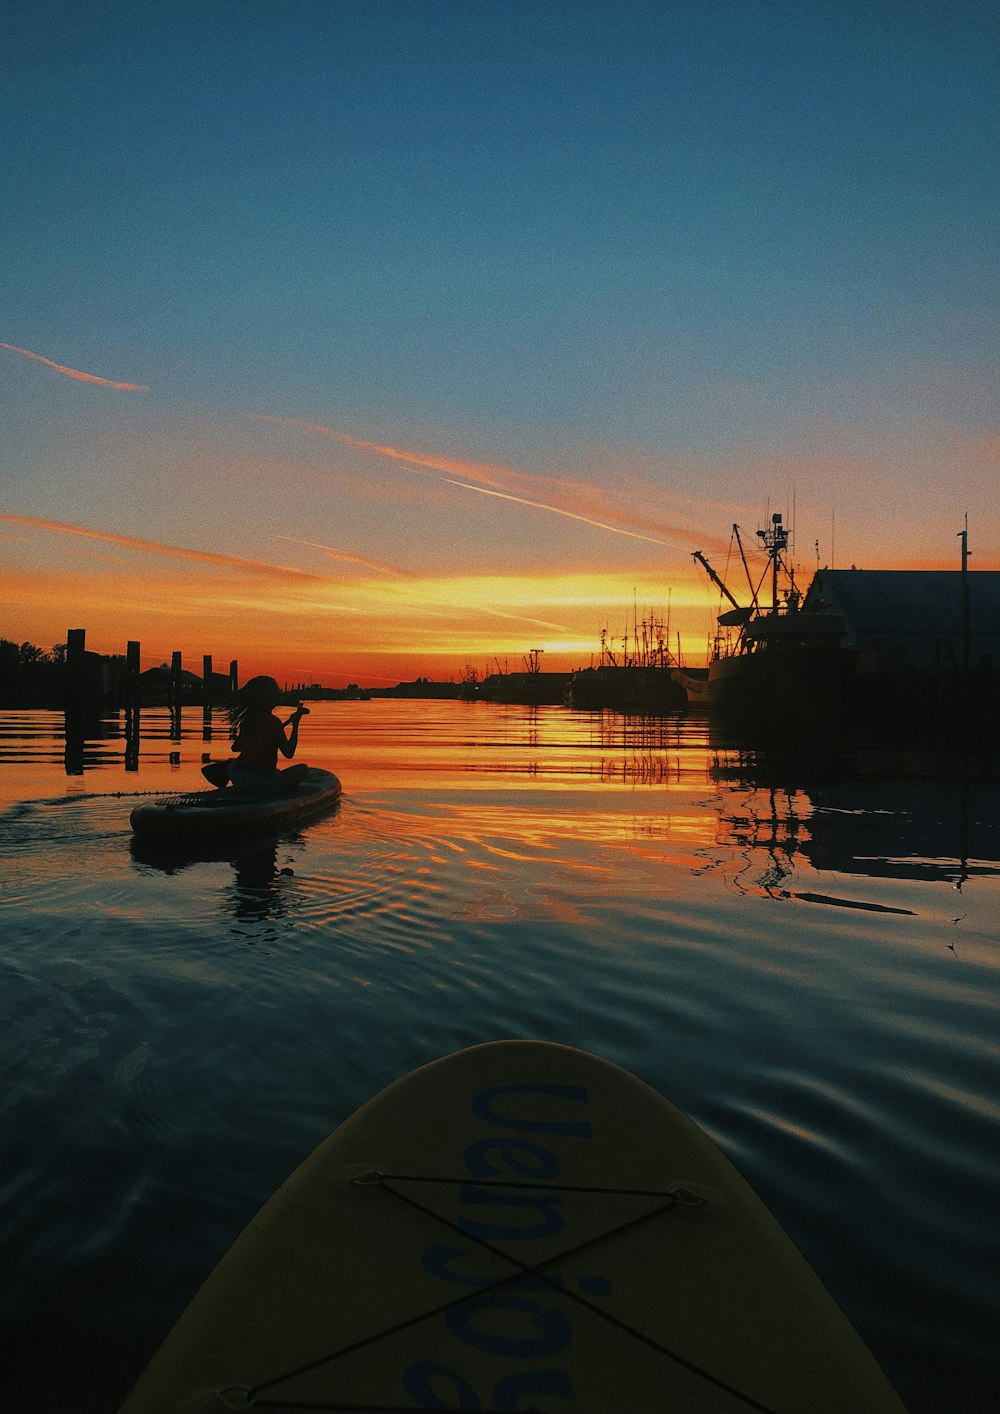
(571, 501)
(76, 372)
(176, 552)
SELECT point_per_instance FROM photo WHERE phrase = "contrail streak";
(421, 463)
(349, 559)
(559, 511)
(76, 372)
(153, 547)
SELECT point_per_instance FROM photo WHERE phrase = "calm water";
(805, 959)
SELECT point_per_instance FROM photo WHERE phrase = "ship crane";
(738, 614)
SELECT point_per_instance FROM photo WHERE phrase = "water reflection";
(256, 893)
(133, 725)
(547, 782)
(90, 742)
(931, 831)
(764, 934)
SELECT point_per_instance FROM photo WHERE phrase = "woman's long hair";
(259, 695)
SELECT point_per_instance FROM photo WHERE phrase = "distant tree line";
(29, 675)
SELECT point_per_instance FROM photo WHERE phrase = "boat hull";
(782, 691)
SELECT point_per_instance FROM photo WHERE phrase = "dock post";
(174, 683)
(80, 704)
(207, 694)
(174, 696)
(234, 678)
(75, 683)
(963, 535)
(132, 673)
(133, 698)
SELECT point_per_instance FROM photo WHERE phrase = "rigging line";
(520, 1270)
(596, 1310)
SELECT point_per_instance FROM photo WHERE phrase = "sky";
(362, 340)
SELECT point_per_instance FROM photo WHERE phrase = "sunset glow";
(437, 380)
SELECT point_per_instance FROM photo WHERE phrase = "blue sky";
(689, 259)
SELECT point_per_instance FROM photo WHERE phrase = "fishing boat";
(641, 678)
(694, 683)
(778, 665)
(906, 654)
(530, 688)
(646, 690)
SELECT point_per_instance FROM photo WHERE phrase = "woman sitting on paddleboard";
(258, 736)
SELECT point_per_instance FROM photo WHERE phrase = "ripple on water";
(179, 1033)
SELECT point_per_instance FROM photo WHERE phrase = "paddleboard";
(518, 1226)
(205, 813)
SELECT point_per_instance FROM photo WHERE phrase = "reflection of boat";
(209, 814)
(254, 854)
(257, 880)
(860, 815)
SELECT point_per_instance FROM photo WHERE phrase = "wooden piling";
(174, 685)
(234, 678)
(207, 686)
(132, 684)
(76, 676)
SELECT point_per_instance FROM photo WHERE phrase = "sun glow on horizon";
(174, 596)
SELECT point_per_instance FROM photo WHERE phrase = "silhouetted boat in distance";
(642, 678)
(650, 690)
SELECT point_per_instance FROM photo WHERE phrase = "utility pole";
(963, 535)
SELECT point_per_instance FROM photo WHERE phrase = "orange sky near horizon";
(350, 619)
(331, 626)
(317, 555)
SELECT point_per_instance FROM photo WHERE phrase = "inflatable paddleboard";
(519, 1226)
(180, 818)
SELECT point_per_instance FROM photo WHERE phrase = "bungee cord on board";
(677, 1197)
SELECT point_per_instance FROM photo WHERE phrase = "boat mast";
(775, 541)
